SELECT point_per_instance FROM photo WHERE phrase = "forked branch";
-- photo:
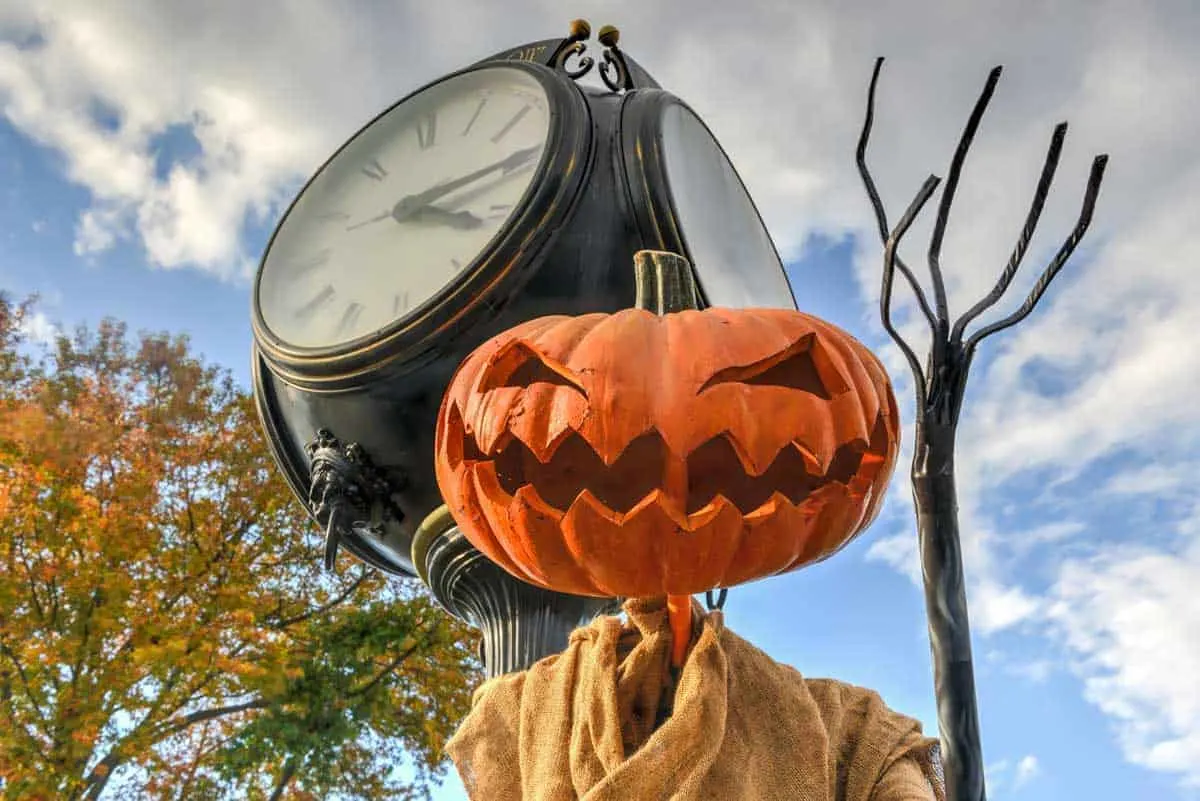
(881, 221)
(948, 349)
(1031, 221)
(939, 401)
(1060, 258)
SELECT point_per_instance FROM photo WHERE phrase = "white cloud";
(1152, 479)
(1131, 616)
(900, 552)
(252, 143)
(1027, 769)
(995, 772)
(39, 328)
(97, 230)
(1036, 671)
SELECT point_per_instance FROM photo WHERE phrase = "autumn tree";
(166, 630)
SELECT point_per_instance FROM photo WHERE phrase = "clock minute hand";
(375, 219)
(412, 203)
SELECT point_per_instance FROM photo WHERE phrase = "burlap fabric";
(736, 726)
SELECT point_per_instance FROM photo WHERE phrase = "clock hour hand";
(408, 206)
(463, 220)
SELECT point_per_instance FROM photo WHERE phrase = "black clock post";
(563, 178)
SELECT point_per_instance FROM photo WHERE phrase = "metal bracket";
(348, 494)
(719, 603)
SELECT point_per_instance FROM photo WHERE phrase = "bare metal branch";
(889, 272)
(943, 216)
(1031, 221)
(1064, 253)
(877, 204)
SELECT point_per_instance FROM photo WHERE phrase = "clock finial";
(580, 29)
(609, 35)
(614, 71)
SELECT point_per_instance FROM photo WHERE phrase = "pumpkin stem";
(664, 281)
(679, 614)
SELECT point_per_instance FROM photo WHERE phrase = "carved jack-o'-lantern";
(640, 454)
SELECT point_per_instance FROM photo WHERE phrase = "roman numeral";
(475, 116)
(319, 259)
(321, 298)
(457, 264)
(350, 316)
(399, 304)
(508, 126)
(374, 170)
(427, 130)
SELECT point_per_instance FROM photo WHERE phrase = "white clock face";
(730, 249)
(404, 208)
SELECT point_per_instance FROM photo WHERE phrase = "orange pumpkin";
(637, 454)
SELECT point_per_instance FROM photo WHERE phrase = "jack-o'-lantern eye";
(520, 366)
(802, 366)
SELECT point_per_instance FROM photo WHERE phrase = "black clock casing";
(569, 252)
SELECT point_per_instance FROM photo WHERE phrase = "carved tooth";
(455, 435)
(543, 450)
(849, 418)
(768, 507)
(542, 530)
(495, 508)
(590, 526)
(478, 527)
(811, 462)
(711, 510)
(545, 423)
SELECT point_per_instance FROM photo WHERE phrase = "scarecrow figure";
(651, 454)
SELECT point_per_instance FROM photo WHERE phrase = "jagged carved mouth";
(647, 465)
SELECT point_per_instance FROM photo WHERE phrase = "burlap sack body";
(581, 725)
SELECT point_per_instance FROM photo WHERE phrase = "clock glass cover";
(727, 243)
(404, 207)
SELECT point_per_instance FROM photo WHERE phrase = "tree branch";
(34, 700)
(877, 204)
(211, 714)
(395, 663)
(889, 268)
(1031, 221)
(285, 778)
(320, 610)
(97, 780)
(1064, 253)
(943, 216)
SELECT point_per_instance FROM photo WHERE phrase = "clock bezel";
(498, 270)
(649, 186)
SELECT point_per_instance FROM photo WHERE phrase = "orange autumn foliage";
(165, 628)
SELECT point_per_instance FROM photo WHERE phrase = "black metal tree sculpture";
(939, 395)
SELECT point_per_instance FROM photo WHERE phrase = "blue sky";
(1077, 467)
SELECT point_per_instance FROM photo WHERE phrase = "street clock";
(502, 192)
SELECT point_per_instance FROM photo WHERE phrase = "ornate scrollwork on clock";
(347, 492)
(571, 59)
